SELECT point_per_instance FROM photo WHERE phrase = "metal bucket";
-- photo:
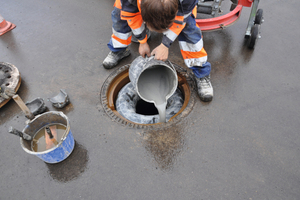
(142, 65)
(65, 145)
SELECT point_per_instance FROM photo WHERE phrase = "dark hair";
(159, 14)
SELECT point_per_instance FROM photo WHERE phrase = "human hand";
(161, 52)
(144, 49)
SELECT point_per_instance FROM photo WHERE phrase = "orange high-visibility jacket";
(130, 11)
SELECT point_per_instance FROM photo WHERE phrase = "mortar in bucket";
(65, 141)
(154, 81)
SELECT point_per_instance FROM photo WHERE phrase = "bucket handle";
(171, 65)
(149, 58)
(152, 57)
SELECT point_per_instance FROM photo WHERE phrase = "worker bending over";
(173, 18)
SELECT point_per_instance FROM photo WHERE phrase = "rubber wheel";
(127, 100)
(233, 6)
(259, 17)
(253, 37)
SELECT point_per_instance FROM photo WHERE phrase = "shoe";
(133, 38)
(113, 58)
(205, 89)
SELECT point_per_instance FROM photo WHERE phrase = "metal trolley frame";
(213, 8)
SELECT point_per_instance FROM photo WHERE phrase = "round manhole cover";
(10, 78)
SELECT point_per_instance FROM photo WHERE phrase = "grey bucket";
(141, 66)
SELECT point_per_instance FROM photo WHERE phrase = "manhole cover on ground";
(120, 77)
(9, 77)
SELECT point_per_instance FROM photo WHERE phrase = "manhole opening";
(145, 108)
(120, 77)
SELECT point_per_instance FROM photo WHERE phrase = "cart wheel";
(259, 17)
(253, 36)
(233, 6)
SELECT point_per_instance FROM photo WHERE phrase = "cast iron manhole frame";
(186, 84)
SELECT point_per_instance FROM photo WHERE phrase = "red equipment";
(5, 26)
(221, 22)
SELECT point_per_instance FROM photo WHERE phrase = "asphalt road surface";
(243, 145)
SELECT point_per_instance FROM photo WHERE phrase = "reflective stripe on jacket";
(130, 11)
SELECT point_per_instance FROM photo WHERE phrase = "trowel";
(50, 136)
(23, 107)
(25, 136)
(32, 108)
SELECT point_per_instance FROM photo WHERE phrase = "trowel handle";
(19, 133)
(49, 132)
(23, 107)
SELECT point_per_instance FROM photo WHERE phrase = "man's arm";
(172, 33)
(162, 51)
(131, 13)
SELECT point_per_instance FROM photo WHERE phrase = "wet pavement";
(242, 145)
